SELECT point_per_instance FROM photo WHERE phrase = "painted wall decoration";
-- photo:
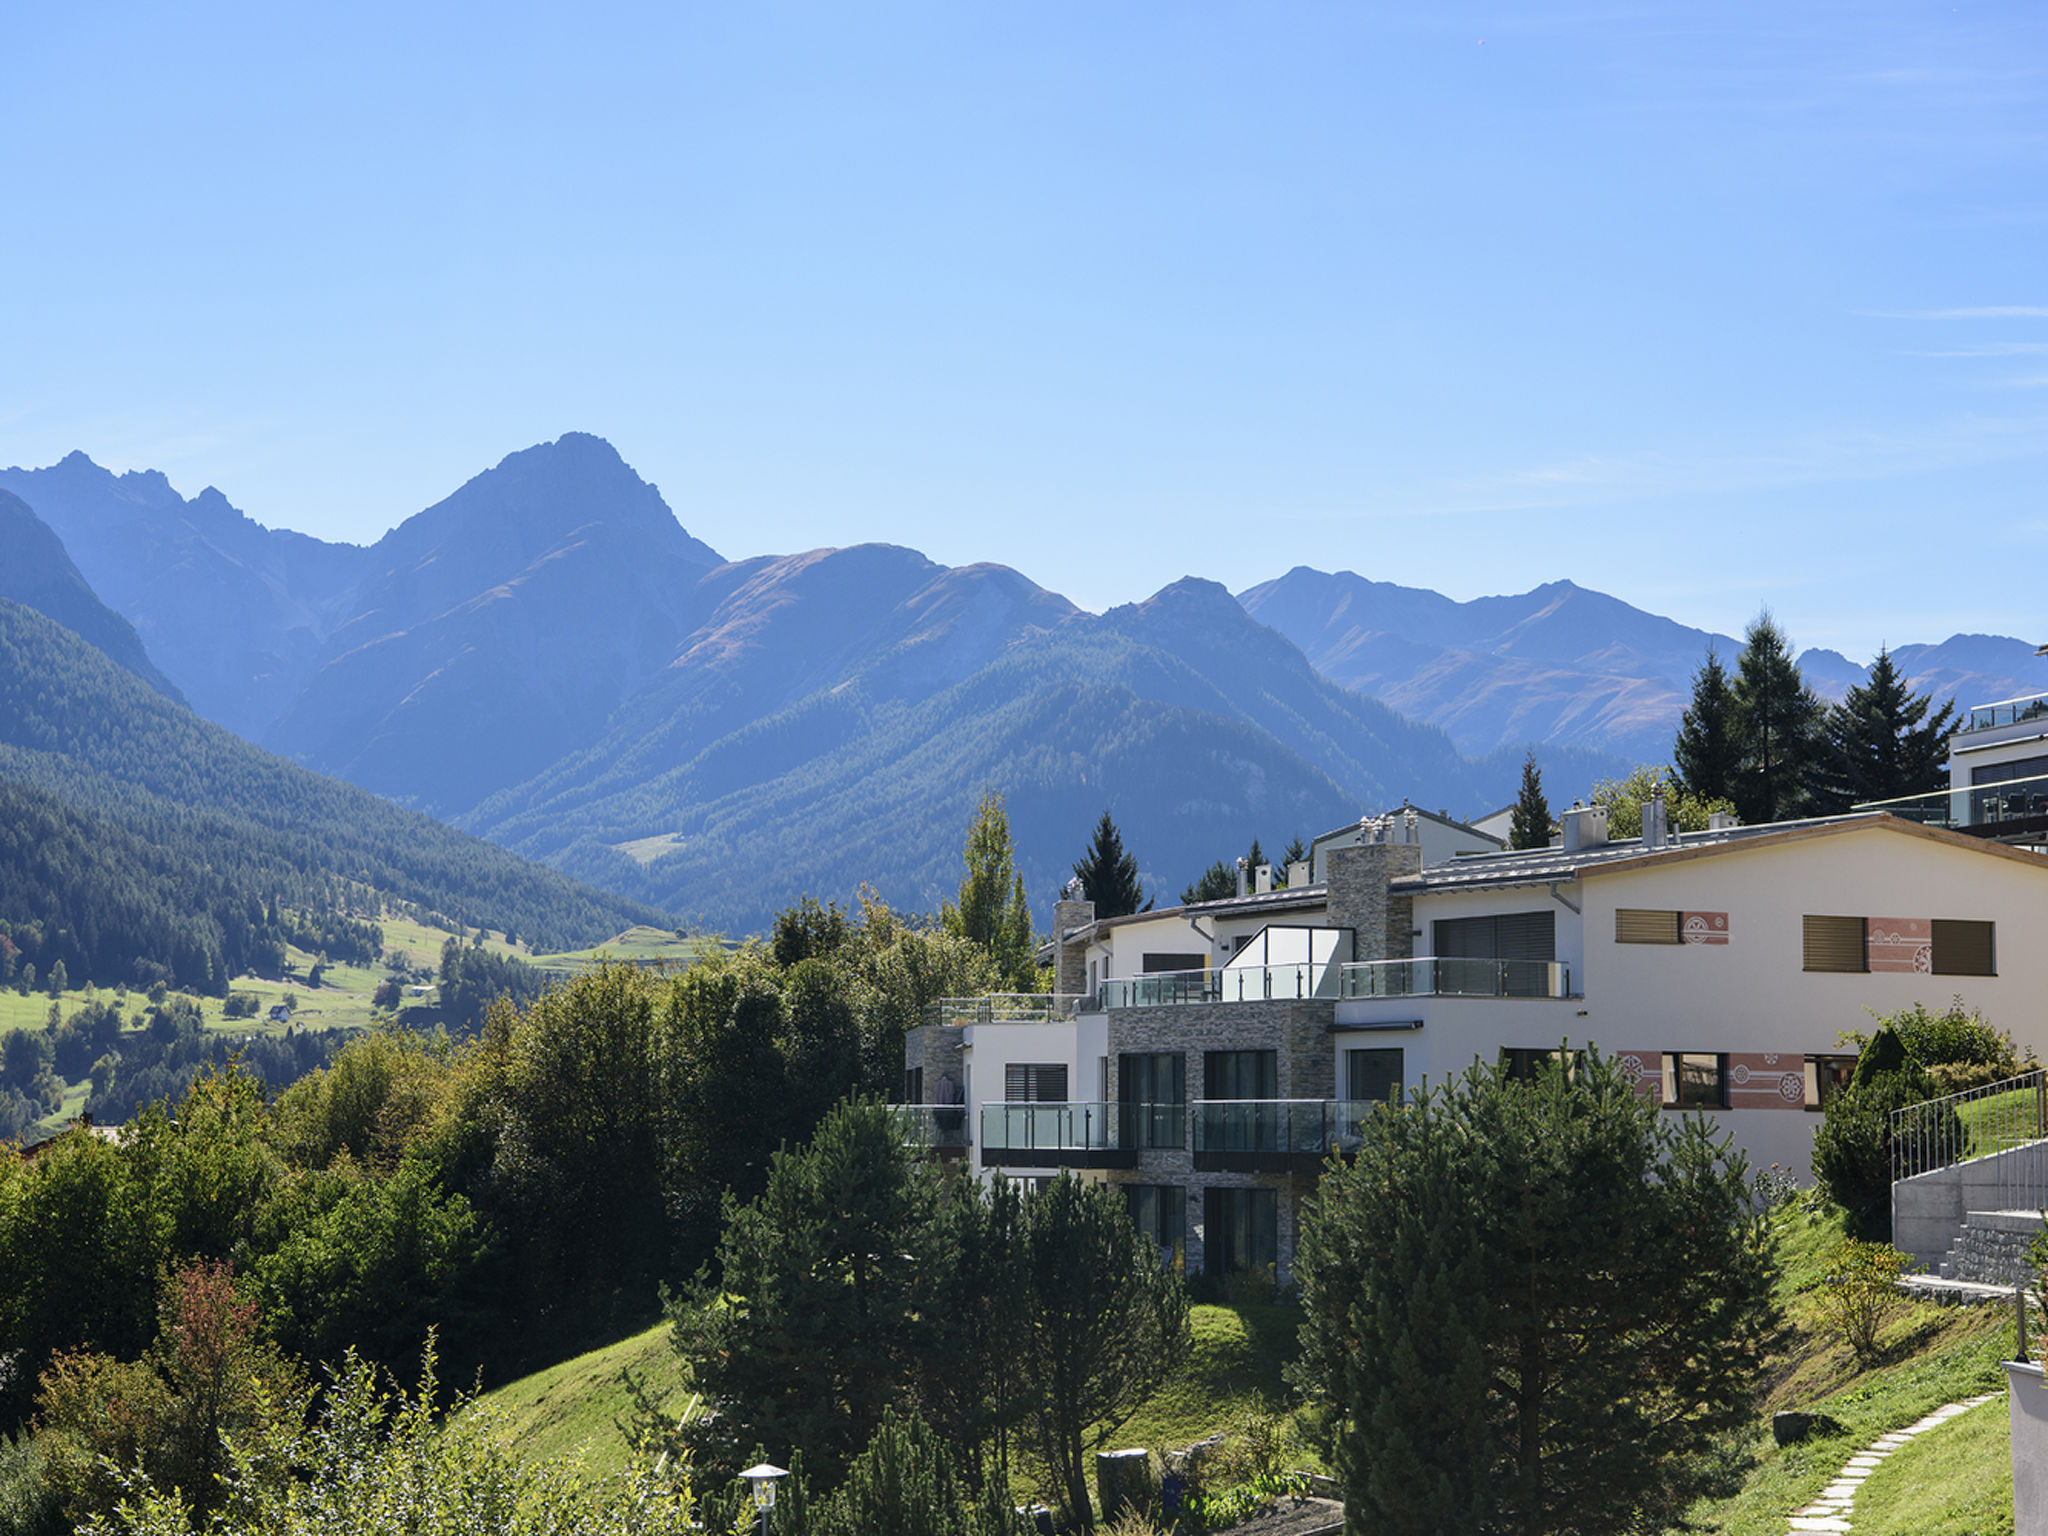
(1703, 927)
(1900, 944)
(1766, 1080)
(1645, 1070)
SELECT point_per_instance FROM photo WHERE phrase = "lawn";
(1951, 1481)
(641, 945)
(574, 1408)
(1928, 1355)
(2004, 1120)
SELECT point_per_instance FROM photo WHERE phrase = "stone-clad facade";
(1382, 923)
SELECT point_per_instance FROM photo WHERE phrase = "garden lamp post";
(762, 1479)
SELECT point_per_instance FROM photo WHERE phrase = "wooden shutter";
(1834, 943)
(1962, 948)
(1638, 925)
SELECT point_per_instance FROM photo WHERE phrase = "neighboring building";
(1997, 776)
(1441, 838)
(1208, 1057)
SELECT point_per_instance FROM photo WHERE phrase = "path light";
(762, 1479)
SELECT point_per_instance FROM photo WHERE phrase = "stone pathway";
(1830, 1512)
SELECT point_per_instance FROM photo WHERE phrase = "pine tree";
(1108, 875)
(1881, 742)
(1708, 750)
(1217, 883)
(1529, 827)
(1780, 721)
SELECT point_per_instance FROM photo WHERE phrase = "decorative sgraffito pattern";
(1900, 944)
(1766, 1080)
(1645, 1069)
(1703, 927)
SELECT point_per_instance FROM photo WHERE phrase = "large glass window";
(1241, 1230)
(1241, 1074)
(1160, 1212)
(1499, 936)
(1152, 1088)
(1376, 1074)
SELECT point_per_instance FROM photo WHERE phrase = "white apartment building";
(1208, 1057)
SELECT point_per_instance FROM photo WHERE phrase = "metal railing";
(1229, 984)
(1004, 1008)
(1988, 717)
(1979, 1123)
(1312, 1126)
(940, 1127)
(1972, 805)
(1456, 976)
(1033, 1127)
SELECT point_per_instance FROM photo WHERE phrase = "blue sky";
(1707, 306)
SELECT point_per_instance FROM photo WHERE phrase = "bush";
(1852, 1150)
(1861, 1290)
(240, 1005)
(30, 1504)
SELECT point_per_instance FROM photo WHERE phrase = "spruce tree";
(1780, 723)
(1881, 741)
(1217, 883)
(1708, 750)
(1529, 827)
(1108, 875)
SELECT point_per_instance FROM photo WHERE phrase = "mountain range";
(549, 659)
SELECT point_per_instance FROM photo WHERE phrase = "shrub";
(240, 1005)
(1852, 1150)
(1860, 1290)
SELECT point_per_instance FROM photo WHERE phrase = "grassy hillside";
(1929, 1355)
(575, 1408)
(640, 944)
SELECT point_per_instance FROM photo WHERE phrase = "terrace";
(1004, 1008)
(2013, 808)
(1426, 976)
(1230, 1135)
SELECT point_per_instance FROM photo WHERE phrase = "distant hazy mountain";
(234, 612)
(1565, 666)
(766, 762)
(497, 630)
(38, 574)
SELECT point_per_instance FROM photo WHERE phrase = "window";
(1636, 925)
(1377, 1075)
(1152, 1086)
(1160, 1212)
(1963, 948)
(1827, 1076)
(2005, 773)
(1834, 944)
(1153, 964)
(1525, 1065)
(1241, 1230)
(1695, 1080)
(1501, 936)
(1240, 1075)
(913, 1085)
(1035, 1082)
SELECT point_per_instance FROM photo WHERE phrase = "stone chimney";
(1382, 924)
(1072, 954)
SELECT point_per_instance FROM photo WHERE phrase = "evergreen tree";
(1708, 749)
(1296, 853)
(1108, 875)
(1882, 743)
(1498, 1364)
(1217, 882)
(1253, 858)
(1530, 825)
(1780, 721)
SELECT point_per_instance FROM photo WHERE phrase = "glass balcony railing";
(1455, 976)
(1004, 1008)
(1425, 977)
(1081, 1127)
(1303, 1127)
(1978, 805)
(940, 1127)
(1988, 717)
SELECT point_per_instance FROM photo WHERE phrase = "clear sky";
(1703, 305)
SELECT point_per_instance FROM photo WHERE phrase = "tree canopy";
(1883, 741)
(1533, 1307)
(1530, 824)
(1108, 875)
(1708, 751)
(993, 910)
(1779, 726)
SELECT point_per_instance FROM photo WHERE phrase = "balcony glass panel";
(1307, 1126)
(937, 1126)
(1447, 976)
(1987, 717)
(1004, 1008)
(1081, 1127)
(1979, 805)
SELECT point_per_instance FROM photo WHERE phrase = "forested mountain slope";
(37, 573)
(226, 822)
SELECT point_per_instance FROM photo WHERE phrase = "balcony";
(2016, 808)
(1276, 1135)
(1428, 976)
(1004, 1008)
(940, 1128)
(1077, 1135)
(2022, 711)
